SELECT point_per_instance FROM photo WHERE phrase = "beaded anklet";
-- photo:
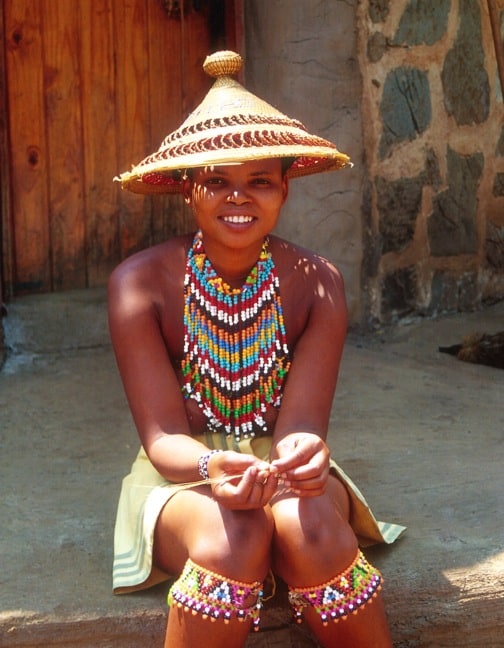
(341, 596)
(215, 597)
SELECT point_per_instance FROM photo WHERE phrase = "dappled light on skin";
(200, 192)
(130, 301)
(309, 269)
(321, 290)
(236, 191)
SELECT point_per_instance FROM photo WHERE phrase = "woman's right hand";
(243, 481)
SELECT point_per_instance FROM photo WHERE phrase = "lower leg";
(314, 541)
(234, 547)
(209, 609)
(347, 610)
(366, 629)
(187, 631)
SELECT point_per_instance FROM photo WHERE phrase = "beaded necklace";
(235, 350)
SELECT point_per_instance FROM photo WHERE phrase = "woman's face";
(237, 204)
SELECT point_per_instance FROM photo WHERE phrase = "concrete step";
(142, 628)
(41, 325)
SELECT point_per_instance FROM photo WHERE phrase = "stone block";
(398, 204)
(376, 47)
(494, 247)
(499, 149)
(451, 292)
(465, 80)
(379, 10)
(452, 224)
(498, 186)
(399, 293)
(405, 108)
(423, 21)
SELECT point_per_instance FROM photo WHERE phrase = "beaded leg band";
(341, 596)
(215, 596)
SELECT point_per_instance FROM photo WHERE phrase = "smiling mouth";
(238, 219)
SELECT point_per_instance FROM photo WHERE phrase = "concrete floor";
(420, 432)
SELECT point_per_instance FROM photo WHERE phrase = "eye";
(261, 181)
(214, 181)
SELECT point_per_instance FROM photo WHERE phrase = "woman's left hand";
(302, 460)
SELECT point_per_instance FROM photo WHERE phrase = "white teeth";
(238, 219)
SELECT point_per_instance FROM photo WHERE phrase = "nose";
(237, 195)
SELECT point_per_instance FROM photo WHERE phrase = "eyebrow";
(218, 171)
(264, 172)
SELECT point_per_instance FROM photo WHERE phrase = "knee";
(300, 521)
(309, 527)
(239, 547)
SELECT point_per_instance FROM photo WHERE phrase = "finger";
(306, 473)
(270, 487)
(311, 485)
(231, 484)
(247, 483)
(305, 452)
(302, 493)
(290, 461)
(238, 463)
(265, 485)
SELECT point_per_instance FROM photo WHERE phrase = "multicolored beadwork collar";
(235, 351)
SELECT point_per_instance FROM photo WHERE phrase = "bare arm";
(299, 447)
(147, 373)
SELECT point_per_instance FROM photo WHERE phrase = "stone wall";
(410, 90)
(433, 131)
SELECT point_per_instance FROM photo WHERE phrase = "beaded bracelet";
(203, 463)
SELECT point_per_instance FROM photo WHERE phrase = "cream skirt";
(144, 493)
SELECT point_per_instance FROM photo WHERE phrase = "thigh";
(174, 528)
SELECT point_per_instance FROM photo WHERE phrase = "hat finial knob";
(223, 63)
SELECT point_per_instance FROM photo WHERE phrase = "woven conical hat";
(230, 126)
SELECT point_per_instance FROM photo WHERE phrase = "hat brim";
(158, 175)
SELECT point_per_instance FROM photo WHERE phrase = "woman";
(228, 342)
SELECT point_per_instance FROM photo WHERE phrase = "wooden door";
(90, 88)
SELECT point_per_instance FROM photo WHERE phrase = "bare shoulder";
(151, 274)
(306, 269)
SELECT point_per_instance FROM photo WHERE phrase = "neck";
(231, 264)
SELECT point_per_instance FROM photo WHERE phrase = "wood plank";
(6, 243)
(29, 160)
(235, 29)
(64, 135)
(196, 46)
(165, 72)
(99, 114)
(130, 46)
(165, 108)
